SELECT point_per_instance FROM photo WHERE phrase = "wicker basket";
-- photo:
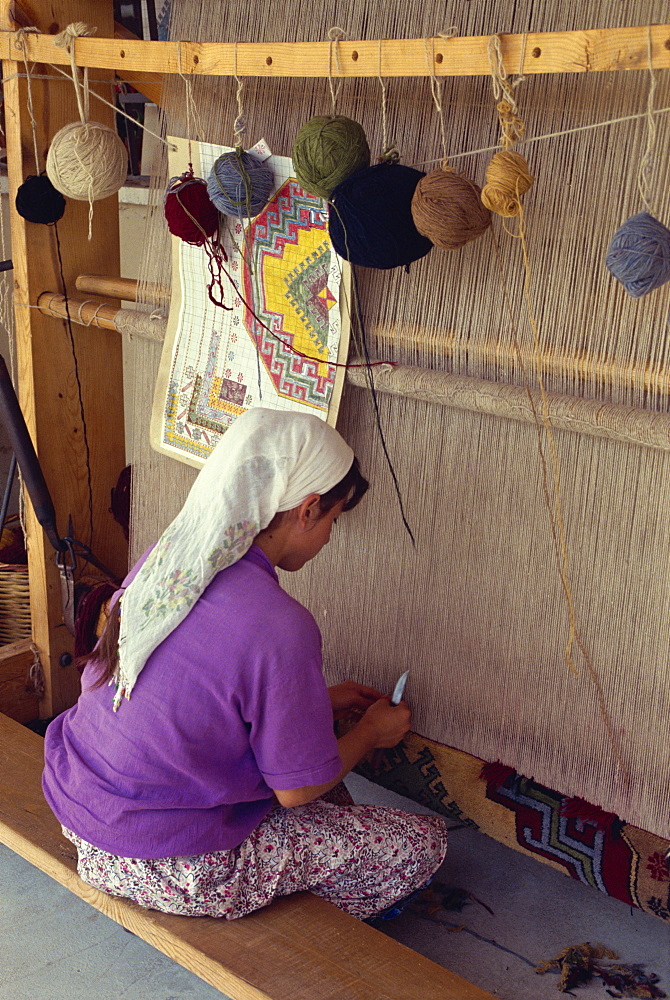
(14, 603)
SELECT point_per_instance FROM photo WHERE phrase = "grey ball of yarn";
(326, 151)
(240, 184)
(639, 254)
(87, 161)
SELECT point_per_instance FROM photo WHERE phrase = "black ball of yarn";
(37, 200)
(370, 219)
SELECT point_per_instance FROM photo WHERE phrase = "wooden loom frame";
(43, 358)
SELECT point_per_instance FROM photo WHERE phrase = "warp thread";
(371, 220)
(327, 150)
(447, 208)
(240, 184)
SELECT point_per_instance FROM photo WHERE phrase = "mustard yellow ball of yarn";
(87, 161)
(507, 180)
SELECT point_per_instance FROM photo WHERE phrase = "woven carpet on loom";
(582, 841)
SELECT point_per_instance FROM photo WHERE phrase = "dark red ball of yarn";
(189, 213)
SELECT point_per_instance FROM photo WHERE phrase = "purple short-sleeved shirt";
(231, 705)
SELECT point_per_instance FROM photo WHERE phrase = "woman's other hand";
(386, 723)
(351, 697)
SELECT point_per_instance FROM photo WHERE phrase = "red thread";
(576, 808)
(496, 773)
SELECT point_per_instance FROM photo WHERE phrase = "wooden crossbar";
(536, 52)
(299, 948)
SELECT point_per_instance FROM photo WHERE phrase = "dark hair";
(353, 486)
(106, 653)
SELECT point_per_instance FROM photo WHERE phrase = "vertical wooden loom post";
(47, 385)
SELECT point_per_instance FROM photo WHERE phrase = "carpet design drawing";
(276, 343)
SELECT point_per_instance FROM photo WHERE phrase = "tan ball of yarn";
(447, 209)
(87, 161)
(507, 180)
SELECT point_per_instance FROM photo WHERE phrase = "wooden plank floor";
(299, 948)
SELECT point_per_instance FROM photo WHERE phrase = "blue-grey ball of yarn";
(639, 254)
(240, 184)
(370, 218)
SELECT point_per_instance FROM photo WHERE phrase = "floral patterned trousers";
(362, 858)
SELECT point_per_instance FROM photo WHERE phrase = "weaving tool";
(396, 698)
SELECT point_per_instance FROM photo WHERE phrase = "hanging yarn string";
(447, 207)
(189, 212)
(507, 175)
(390, 153)
(370, 220)
(87, 161)
(329, 148)
(37, 200)
(239, 183)
(370, 224)
(639, 254)
(191, 216)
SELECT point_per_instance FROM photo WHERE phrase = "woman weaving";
(216, 786)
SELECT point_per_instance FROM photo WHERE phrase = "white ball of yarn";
(87, 161)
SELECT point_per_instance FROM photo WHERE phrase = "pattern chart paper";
(288, 326)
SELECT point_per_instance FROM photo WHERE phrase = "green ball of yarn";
(326, 151)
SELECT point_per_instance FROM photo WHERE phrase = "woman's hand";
(386, 724)
(351, 697)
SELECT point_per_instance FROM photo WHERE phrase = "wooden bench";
(299, 948)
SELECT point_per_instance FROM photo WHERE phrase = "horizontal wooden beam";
(516, 402)
(149, 84)
(535, 53)
(552, 363)
(511, 402)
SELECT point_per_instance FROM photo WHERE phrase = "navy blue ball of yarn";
(37, 200)
(371, 220)
(240, 184)
(639, 254)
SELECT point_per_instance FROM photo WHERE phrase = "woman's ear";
(309, 510)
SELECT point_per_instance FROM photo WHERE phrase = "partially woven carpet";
(571, 835)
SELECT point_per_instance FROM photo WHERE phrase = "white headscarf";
(268, 461)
